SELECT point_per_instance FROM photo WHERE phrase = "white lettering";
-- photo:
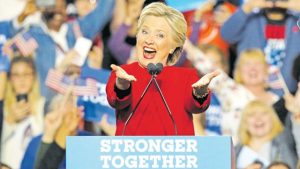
(105, 146)
(191, 162)
(105, 160)
(167, 161)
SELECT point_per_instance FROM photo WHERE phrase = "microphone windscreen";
(151, 68)
(159, 67)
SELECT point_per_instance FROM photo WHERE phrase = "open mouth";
(259, 125)
(149, 53)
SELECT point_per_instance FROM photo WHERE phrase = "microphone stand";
(131, 114)
(166, 105)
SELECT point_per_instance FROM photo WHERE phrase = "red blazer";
(151, 117)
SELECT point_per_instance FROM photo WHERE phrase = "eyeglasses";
(21, 75)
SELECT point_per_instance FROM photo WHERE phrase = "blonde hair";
(243, 133)
(33, 95)
(176, 21)
(249, 54)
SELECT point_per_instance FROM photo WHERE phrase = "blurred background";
(55, 58)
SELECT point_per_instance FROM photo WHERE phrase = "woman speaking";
(152, 97)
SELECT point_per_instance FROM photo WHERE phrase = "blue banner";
(96, 107)
(99, 152)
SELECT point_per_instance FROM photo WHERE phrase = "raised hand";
(206, 7)
(292, 104)
(123, 78)
(52, 122)
(250, 5)
(7, 50)
(200, 87)
(72, 117)
(108, 128)
(134, 8)
(290, 4)
(29, 9)
(67, 60)
(19, 111)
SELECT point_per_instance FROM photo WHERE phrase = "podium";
(196, 152)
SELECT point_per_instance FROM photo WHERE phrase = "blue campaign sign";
(96, 107)
(99, 152)
(185, 5)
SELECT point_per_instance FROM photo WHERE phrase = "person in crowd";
(52, 122)
(98, 115)
(207, 22)
(61, 122)
(160, 38)
(4, 68)
(59, 113)
(292, 106)
(55, 37)
(288, 97)
(122, 41)
(262, 138)
(271, 27)
(252, 71)
(213, 115)
(23, 110)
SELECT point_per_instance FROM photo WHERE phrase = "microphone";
(153, 70)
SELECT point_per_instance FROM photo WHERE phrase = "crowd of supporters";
(55, 61)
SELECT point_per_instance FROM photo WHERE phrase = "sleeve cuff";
(122, 93)
(201, 100)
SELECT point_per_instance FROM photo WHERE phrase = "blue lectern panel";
(93, 152)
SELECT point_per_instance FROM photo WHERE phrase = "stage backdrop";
(98, 152)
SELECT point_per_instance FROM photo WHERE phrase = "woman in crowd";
(262, 138)
(23, 110)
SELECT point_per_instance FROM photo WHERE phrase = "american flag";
(25, 43)
(81, 87)
(275, 79)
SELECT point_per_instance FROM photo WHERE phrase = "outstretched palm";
(123, 78)
(200, 87)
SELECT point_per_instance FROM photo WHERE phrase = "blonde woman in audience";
(262, 138)
(252, 71)
(23, 111)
